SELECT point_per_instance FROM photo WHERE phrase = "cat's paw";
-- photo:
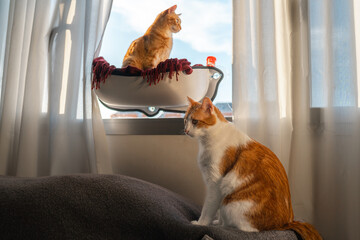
(200, 223)
(195, 222)
(216, 222)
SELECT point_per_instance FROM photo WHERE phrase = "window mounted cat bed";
(163, 88)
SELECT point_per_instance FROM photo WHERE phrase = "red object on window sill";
(210, 61)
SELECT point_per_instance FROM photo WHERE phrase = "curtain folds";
(49, 120)
(296, 89)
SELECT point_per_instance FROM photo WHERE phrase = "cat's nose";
(186, 131)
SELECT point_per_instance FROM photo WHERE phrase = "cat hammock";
(156, 89)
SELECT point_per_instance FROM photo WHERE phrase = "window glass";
(332, 43)
(206, 31)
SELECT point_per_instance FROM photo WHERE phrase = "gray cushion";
(103, 207)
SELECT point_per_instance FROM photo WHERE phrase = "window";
(206, 31)
(333, 53)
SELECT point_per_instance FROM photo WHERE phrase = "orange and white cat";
(244, 180)
(155, 45)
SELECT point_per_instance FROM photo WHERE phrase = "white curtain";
(49, 120)
(296, 88)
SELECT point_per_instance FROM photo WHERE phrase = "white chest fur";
(213, 145)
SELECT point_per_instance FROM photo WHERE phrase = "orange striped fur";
(245, 180)
(155, 45)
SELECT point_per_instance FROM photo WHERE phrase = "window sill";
(162, 126)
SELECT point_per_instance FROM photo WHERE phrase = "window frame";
(146, 126)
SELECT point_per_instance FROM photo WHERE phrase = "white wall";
(169, 161)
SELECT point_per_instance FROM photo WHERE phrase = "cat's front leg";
(211, 205)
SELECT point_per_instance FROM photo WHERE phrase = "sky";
(206, 31)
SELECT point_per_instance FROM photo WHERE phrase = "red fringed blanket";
(102, 69)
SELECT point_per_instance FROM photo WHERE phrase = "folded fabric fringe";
(102, 70)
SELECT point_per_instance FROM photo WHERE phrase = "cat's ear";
(207, 105)
(172, 9)
(191, 101)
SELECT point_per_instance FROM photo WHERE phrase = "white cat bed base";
(133, 93)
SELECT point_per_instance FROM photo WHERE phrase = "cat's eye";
(194, 121)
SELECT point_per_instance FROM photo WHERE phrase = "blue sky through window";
(206, 31)
(334, 53)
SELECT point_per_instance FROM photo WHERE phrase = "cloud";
(206, 25)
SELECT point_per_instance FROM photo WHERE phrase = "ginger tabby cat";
(244, 180)
(155, 46)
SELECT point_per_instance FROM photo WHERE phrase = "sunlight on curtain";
(332, 49)
(45, 94)
(65, 72)
(67, 50)
(305, 54)
(335, 65)
(46, 59)
(71, 13)
(282, 55)
(356, 8)
(4, 14)
(260, 102)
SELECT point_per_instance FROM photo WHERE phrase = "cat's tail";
(305, 230)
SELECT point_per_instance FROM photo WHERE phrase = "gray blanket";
(103, 207)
